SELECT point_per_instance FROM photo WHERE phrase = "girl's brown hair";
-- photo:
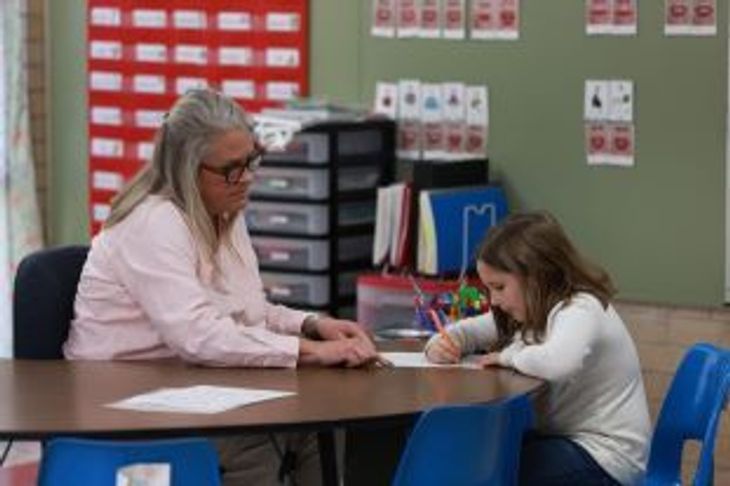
(534, 247)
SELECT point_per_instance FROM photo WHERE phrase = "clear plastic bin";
(305, 289)
(311, 183)
(298, 253)
(310, 219)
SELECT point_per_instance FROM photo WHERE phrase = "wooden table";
(44, 399)
(41, 399)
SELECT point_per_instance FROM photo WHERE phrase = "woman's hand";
(331, 329)
(444, 351)
(348, 351)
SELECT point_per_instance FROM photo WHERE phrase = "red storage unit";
(143, 54)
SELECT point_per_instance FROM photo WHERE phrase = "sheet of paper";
(197, 399)
(418, 360)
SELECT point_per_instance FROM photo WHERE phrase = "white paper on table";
(197, 399)
(418, 360)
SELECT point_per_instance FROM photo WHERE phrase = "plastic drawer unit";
(305, 289)
(305, 254)
(308, 219)
(288, 183)
(314, 147)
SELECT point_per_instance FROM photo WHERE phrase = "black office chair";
(43, 301)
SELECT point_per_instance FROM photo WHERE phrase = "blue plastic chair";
(83, 462)
(691, 411)
(466, 445)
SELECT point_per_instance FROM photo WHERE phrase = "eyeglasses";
(234, 170)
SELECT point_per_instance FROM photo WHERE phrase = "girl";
(551, 318)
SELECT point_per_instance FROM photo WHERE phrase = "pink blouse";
(146, 292)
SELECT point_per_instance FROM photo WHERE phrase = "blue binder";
(452, 223)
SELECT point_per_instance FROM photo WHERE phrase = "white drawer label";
(183, 85)
(278, 57)
(150, 52)
(154, 19)
(106, 81)
(107, 147)
(147, 83)
(101, 212)
(186, 54)
(282, 90)
(189, 19)
(148, 118)
(234, 21)
(145, 150)
(239, 89)
(279, 291)
(278, 219)
(106, 115)
(282, 22)
(280, 256)
(108, 50)
(107, 17)
(235, 56)
(109, 181)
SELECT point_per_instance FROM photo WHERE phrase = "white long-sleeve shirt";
(145, 292)
(596, 395)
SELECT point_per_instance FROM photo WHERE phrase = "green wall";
(659, 227)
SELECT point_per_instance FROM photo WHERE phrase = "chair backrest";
(83, 462)
(466, 445)
(43, 301)
(691, 411)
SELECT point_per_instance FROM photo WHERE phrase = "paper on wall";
(383, 20)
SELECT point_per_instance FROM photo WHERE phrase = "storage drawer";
(311, 183)
(297, 253)
(310, 219)
(314, 147)
(305, 289)
(310, 148)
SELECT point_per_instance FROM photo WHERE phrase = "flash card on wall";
(625, 15)
(599, 17)
(386, 98)
(408, 18)
(430, 19)
(477, 120)
(432, 117)
(454, 19)
(690, 17)
(409, 114)
(595, 105)
(455, 118)
(383, 18)
(621, 101)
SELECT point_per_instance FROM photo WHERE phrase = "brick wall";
(662, 336)
(36, 32)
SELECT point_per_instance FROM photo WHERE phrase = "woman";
(173, 272)
(551, 317)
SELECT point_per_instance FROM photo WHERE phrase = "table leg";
(328, 458)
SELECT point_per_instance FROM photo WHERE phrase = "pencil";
(442, 331)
